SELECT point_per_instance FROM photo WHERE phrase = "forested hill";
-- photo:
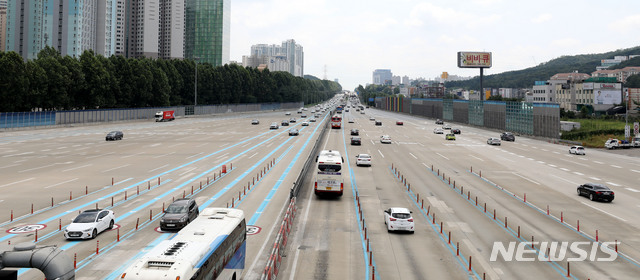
(584, 63)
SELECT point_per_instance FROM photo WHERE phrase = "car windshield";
(600, 188)
(176, 209)
(401, 215)
(85, 218)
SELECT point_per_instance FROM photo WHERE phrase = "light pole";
(195, 98)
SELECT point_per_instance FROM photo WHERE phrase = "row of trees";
(53, 82)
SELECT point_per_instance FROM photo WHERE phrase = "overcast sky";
(421, 38)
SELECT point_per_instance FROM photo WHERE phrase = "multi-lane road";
(446, 184)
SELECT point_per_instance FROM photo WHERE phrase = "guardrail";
(279, 245)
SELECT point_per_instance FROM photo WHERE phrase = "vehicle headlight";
(87, 230)
(183, 219)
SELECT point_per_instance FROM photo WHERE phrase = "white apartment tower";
(288, 57)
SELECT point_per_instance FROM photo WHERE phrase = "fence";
(18, 120)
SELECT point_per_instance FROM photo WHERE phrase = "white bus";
(213, 246)
(329, 178)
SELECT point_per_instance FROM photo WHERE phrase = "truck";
(636, 141)
(162, 116)
(617, 144)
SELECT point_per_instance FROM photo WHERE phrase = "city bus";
(212, 246)
(328, 177)
(336, 121)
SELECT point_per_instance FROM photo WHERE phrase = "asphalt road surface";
(445, 183)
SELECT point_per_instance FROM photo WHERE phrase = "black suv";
(355, 140)
(507, 136)
(114, 135)
(179, 214)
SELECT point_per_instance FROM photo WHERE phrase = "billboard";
(474, 59)
(607, 96)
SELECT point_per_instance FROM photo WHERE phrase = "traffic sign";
(636, 128)
(25, 228)
(251, 230)
(627, 131)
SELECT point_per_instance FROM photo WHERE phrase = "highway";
(453, 189)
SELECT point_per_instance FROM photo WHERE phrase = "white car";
(438, 130)
(386, 139)
(493, 141)
(274, 126)
(350, 120)
(305, 123)
(363, 159)
(446, 126)
(287, 113)
(372, 119)
(398, 218)
(578, 150)
(89, 224)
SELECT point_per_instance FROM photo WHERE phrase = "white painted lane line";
(74, 168)
(563, 179)
(380, 153)
(413, 156)
(594, 178)
(552, 165)
(253, 155)
(578, 173)
(541, 162)
(613, 184)
(633, 190)
(118, 167)
(18, 182)
(477, 158)
(605, 212)
(158, 168)
(636, 171)
(442, 156)
(532, 181)
(598, 162)
(51, 186)
(615, 166)
(564, 169)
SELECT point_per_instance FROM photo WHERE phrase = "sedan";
(493, 141)
(255, 122)
(446, 126)
(355, 140)
(89, 224)
(596, 192)
(456, 131)
(274, 126)
(378, 123)
(285, 123)
(363, 159)
(577, 150)
(385, 139)
(450, 136)
(312, 119)
(507, 136)
(399, 123)
(439, 121)
(114, 135)
(294, 132)
(372, 118)
(287, 114)
(305, 124)
(355, 132)
(292, 120)
(397, 218)
(438, 130)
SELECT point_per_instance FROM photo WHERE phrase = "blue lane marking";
(158, 175)
(264, 204)
(354, 188)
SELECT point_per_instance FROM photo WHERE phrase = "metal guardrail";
(277, 252)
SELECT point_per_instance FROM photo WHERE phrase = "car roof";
(400, 210)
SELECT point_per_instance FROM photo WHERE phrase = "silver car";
(493, 141)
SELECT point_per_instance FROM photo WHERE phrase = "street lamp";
(195, 98)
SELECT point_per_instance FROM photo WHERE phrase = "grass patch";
(594, 132)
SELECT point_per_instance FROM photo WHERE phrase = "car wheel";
(94, 233)
(591, 196)
(111, 224)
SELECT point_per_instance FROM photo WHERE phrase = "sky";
(349, 39)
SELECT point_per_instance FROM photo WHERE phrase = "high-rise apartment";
(382, 77)
(3, 24)
(207, 37)
(288, 57)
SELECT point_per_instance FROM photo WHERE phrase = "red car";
(399, 123)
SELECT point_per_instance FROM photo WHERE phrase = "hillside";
(584, 63)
